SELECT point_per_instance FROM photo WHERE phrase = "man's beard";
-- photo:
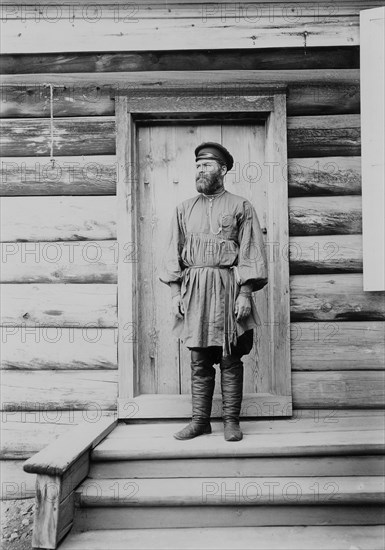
(208, 182)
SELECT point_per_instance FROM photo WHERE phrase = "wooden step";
(240, 467)
(151, 517)
(231, 538)
(131, 446)
(245, 491)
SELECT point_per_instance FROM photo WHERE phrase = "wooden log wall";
(59, 270)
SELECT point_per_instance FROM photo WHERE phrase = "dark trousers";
(214, 353)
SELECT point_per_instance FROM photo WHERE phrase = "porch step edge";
(231, 538)
(245, 491)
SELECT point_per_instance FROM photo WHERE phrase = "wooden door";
(165, 176)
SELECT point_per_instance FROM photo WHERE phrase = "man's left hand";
(242, 307)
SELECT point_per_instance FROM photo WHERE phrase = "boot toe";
(233, 433)
(193, 430)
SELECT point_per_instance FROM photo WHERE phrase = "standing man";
(215, 258)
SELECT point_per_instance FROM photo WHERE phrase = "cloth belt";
(231, 286)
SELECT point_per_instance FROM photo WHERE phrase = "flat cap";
(214, 151)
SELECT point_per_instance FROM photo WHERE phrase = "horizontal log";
(183, 33)
(93, 219)
(26, 430)
(308, 136)
(96, 261)
(52, 390)
(339, 389)
(325, 254)
(107, 9)
(351, 7)
(92, 175)
(96, 175)
(324, 176)
(59, 262)
(36, 306)
(64, 219)
(325, 215)
(320, 98)
(338, 297)
(53, 349)
(78, 136)
(343, 57)
(92, 389)
(206, 81)
(340, 345)
(337, 346)
(15, 482)
(56, 458)
(324, 135)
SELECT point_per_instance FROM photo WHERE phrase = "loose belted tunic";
(211, 251)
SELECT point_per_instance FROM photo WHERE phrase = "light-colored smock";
(211, 267)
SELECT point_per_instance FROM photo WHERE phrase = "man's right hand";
(177, 306)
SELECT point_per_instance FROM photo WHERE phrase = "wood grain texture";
(44, 305)
(76, 175)
(27, 430)
(128, 249)
(180, 33)
(339, 346)
(96, 175)
(324, 176)
(77, 136)
(52, 349)
(241, 538)
(244, 491)
(332, 135)
(176, 6)
(15, 483)
(278, 290)
(57, 458)
(343, 57)
(302, 421)
(325, 254)
(47, 508)
(84, 218)
(312, 444)
(238, 467)
(338, 297)
(53, 390)
(306, 98)
(55, 503)
(325, 215)
(307, 136)
(59, 262)
(57, 219)
(339, 389)
(222, 516)
(207, 81)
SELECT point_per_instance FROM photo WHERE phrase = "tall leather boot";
(232, 392)
(202, 390)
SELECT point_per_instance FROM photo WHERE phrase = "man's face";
(208, 176)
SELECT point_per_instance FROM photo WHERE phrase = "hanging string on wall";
(51, 156)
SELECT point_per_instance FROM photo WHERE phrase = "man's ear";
(223, 170)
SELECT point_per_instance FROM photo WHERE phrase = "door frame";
(268, 104)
